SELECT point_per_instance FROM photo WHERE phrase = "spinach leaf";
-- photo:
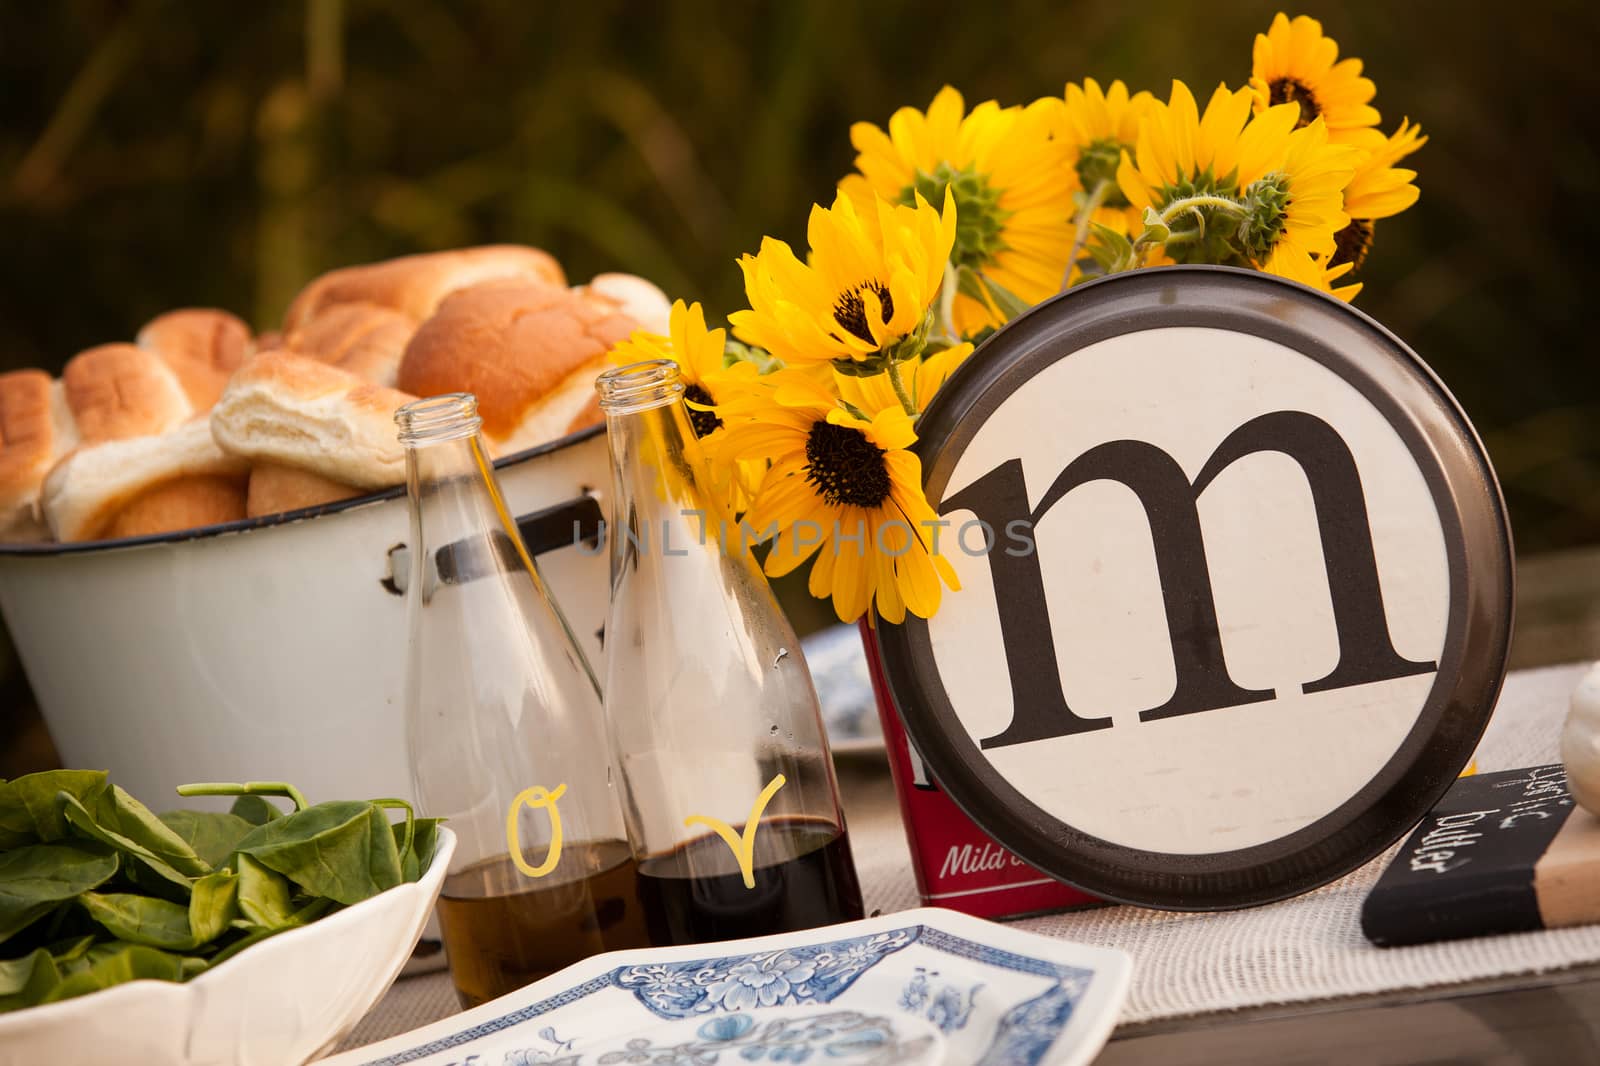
(123, 814)
(211, 834)
(344, 850)
(36, 879)
(264, 895)
(29, 812)
(257, 810)
(213, 907)
(80, 819)
(113, 963)
(143, 920)
(166, 897)
(159, 923)
(26, 981)
(304, 916)
(424, 840)
(16, 973)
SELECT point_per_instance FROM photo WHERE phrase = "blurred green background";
(158, 154)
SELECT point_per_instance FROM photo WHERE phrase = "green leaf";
(257, 810)
(1155, 230)
(36, 879)
(160, 923)
(156, 923)
(16, 973)
(213, 907)
(26, 981)
(127, 816)
(264, 895)
(991, 293)
(344, 850)
(212, 835)
(426, 838)
(736, 352)
(29, 812)
(86, 823)
(113, 964)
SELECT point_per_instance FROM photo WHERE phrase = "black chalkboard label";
(1474, 865)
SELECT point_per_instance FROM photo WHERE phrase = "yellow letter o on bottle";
(537, 796)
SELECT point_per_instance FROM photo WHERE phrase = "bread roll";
(414, 285)
(187, 502)
(365, 339)
(201, 346)
(275, 488)
(118, 391)
(635, 297)
(36, 430)
(143, 485)
(290, 409)
(530, 353)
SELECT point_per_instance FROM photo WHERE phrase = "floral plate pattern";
(920, 986)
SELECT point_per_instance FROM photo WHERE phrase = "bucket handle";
(577, 521)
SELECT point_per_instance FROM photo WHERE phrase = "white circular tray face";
(1217, 640)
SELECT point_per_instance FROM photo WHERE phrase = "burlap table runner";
(1304, 949)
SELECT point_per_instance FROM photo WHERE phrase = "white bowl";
(278, 1003)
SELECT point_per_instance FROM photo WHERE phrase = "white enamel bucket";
(274, 648)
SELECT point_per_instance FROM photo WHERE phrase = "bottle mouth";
(438, 418)
(639, 386)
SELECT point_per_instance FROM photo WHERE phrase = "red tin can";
(958, 865)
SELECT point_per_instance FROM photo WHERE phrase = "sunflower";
(706, 376)
(1296, 265)
(873, 273)
(1298, 204)
(1255, 184)
(1379, 189)
(1180, 152)
(698, 351)
(1097, 126)
(843, 487)
(1295, 64)
(1013, 193)
(923, 376)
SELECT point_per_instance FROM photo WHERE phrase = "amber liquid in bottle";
(505, 929)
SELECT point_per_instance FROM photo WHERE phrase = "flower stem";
(1220, 203)
(1102, 189)
(947, 302)
(899, 386)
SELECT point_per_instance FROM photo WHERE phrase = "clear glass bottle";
(728, 786)
(505, 726)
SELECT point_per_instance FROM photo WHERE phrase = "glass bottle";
(728, 786)
(505, 726)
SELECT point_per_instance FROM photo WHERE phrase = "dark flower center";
(845, 467)
(1352, 243)
(1292, 91)
(705, 423)
(851, 309)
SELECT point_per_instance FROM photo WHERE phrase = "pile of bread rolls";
(198, 422)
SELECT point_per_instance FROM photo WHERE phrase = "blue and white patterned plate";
(923, 986)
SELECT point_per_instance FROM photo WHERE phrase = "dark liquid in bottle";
(804, 878)
(504, 929)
